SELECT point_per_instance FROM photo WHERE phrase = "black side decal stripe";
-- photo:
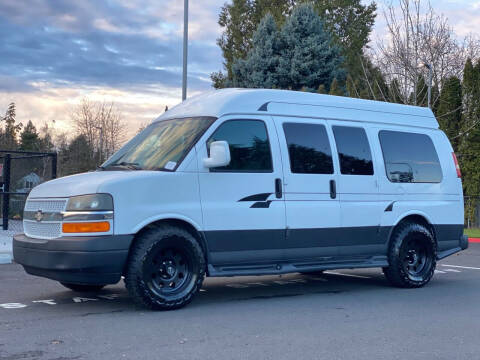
(257, 197)
(261, 204)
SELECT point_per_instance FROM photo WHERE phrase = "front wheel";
(412, 256)
(165, 268)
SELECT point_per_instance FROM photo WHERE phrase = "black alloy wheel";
(167, 271)
(416, 258)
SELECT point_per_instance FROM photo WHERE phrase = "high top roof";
(218, 103)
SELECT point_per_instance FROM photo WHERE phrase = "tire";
(83, 288)
(165, 268)
(412, 256)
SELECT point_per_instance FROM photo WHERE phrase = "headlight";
(94, 202)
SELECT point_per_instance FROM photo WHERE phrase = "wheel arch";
(417, 217)
(181, 222)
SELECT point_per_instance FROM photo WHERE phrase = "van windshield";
(160, 146)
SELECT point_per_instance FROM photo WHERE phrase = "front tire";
(165, 269)
(412, 256)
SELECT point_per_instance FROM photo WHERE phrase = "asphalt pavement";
(344, 314)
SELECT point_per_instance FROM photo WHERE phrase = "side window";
(249, 146)
(410, 157)
(308, 148)
(353, 150)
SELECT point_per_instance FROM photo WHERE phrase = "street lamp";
(429, 67)
(185, 49)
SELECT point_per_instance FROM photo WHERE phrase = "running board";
(286, 267)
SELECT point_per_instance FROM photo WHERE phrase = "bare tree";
(416, 34)
(101, 124)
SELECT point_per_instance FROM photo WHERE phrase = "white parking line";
(440, 272)
(349, 275)
(453, 270)
(462, 267)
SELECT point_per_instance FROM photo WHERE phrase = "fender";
(174, 216)
(413, 212)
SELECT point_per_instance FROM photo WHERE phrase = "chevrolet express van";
(253, 182)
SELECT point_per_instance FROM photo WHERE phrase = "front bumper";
(91, 260)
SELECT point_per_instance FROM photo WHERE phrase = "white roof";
(218, 103)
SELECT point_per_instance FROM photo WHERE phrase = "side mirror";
(219, 155)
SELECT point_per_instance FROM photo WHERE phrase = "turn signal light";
(86, 227)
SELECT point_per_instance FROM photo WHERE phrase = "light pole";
(101, 143)
(185, 49)
(429, 67)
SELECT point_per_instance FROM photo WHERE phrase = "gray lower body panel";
(80, 260)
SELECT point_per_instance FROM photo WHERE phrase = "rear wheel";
(165, 269)
(412, 256)
(83, 288)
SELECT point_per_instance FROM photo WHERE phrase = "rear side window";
(308, 148)
(249, 146)
(353, 150)
(410, 157)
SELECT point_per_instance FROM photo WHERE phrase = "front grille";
(44, 229)
(46, 205)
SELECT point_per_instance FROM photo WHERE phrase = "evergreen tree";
(259, 69)
(240, 20)
(29, 138)
(469, 141)
(9, 134)
(308, 56)
(349, 22)
(77, 157)
(301, 55)
(449, 112)
(335, 89)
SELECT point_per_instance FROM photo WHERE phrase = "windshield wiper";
(124, 164)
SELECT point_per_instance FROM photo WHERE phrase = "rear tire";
(83, 288)
(412, 256)
(165, 269)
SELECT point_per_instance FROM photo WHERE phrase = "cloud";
(97, 43)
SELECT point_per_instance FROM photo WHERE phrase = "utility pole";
(185, 49)
(100, 157)
(430, 74)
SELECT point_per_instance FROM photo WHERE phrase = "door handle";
(278, 188)
(333, 189)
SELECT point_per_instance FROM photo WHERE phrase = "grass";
(472, 232)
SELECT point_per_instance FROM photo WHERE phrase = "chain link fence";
(472, 211)
(20, 172)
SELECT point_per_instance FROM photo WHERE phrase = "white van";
(252, 182)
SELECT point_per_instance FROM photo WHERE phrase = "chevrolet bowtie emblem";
(39, 215)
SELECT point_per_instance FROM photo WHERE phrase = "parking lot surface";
(344, 314)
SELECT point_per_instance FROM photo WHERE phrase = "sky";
(54, 53)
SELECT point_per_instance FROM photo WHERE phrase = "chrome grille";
(46, 205)
(45, 230)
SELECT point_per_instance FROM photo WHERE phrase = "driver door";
(242, 203)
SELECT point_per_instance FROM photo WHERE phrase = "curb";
(474, 240)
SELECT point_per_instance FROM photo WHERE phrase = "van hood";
(88, 183)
